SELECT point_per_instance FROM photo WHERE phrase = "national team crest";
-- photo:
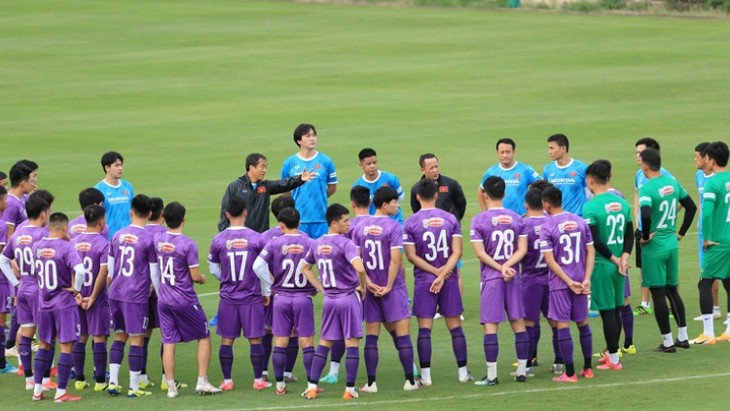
(727, 186)
(443, 189)
(567, 226)
(501, 220)
(129, 239)
(666, 190)
(518, 175)
(573, 173)
(125, 193)
(237, 243)
(373, 230)
(292, 249)
(433, 222)
(324, 249)
(261, 189)
(45, 253)
(83, 247)
(317, 166)
(166, 247)
(613, 207)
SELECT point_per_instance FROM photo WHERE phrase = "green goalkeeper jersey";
(716, 209)
(662, 194)
(609, 213)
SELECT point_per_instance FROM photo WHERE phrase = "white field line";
(485, 394)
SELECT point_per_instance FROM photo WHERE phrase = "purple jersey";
(275, 232)
(133, 252)
(283, 254)
(19, 248)
(176, 254)
(55, 263)
(534, 267)
(333, 255)
(78, 226)
(14, 213)
(498, 229)
(431, 231)
(567, 236)
(375, 237)
(236, 249)
(93, 249)
(355, 223)
(3, 241)
(155, 229)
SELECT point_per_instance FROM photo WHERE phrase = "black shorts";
(637, 243)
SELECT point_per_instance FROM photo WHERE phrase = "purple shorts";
(97, 320)
(28, 308)
(536, 299)
(62, 324)
(182, 323)
(341, 318)
(6, 298)
(448, 300)
(293, 314)
(129, 318)
(392, 307)
(154, 318)
(234, 318)
(499, 297)
(269, 313)
(567, 306)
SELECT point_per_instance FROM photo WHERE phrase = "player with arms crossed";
(181, 317)
(611, 225)
(94, 315)
(293, 308)
(659, 199)
(433, 243)
(380, 240)
(133, 270)
(494, 236)
(60, 276)
(341, 278)
(241, 308)
(716, 230)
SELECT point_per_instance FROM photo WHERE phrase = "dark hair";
(32, 165)
(600, 170)
(57, 220)
(533, 198)
(281, 203)
(89, 196)
(505, 141)
(141, 205)
(35, 205)
(700, 148)
(335, 212)
(648, 142)
(3, 176)
(718, 151)
(93, 214)
(109, 158)
(19, 172)
(541, 184)
(156, 207)
(174, 214)
(561, 140)
(301, 130)
(652, 158)
(3, 191)
(289, 216)
(384, 195)
(426, 189)
(44, 194)
(235, 207)
(365, 153)
(494, 187)
(553, 196)
(360, 195)
(422, 159)
(253, 160)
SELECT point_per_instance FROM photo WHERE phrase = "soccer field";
(185, 89)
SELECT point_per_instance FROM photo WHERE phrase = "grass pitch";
(185, 89)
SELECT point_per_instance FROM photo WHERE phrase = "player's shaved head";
(56, 221)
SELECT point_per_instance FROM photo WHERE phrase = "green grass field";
(185, 89)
